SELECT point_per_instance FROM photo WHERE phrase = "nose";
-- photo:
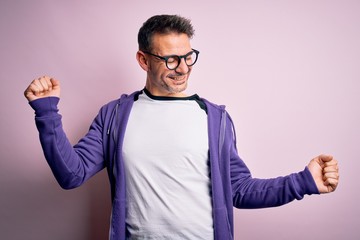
(183, 68)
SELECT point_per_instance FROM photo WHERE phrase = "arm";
(249, 192)
(71, 166)
(320, 176)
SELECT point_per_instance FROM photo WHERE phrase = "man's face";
(160, 80)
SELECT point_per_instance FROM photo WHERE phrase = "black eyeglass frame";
(166, 58)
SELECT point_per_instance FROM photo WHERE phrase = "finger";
(32, 92)
(54, 82)
(36, 87)
(332, 175)
(42, 83)
(333, 168)
(45, 83)
(32, 89)
(331, 179)
(48, 82)
(333, 162)
(331, 183)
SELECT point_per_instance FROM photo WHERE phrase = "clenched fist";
(325, 172)
(42, 87)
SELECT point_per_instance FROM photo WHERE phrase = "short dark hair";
(163, 24)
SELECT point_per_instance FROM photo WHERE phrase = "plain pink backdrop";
(288, 72)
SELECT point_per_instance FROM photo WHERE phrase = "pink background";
(288, 72)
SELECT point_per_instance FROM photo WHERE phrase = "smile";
(178, 78)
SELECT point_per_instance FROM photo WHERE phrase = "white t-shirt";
(166, 162)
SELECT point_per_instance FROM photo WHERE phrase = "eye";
(171, 60)
(190, 57)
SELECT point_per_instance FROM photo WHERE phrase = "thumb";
(325, 158)
(55, 83)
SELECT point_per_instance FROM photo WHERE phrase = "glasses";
(173, 61)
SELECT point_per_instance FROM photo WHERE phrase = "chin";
(180, 88)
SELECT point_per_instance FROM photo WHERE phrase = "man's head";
(165, 54)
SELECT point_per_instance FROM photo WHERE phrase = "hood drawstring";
(222, 129)
(113, 114)
(224, 117)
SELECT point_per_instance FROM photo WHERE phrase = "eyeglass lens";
(174, 61)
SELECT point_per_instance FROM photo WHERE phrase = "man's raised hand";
(41, 87)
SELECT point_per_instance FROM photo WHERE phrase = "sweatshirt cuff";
(304, 183)
(45, 106)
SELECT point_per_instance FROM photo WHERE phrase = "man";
(172, 160)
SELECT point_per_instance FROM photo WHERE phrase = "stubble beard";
(173, 86)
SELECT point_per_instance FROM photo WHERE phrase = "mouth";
(178, 78)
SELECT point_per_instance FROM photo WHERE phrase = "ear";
(142, 60)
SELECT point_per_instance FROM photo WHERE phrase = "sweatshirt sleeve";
(71, 165)
(261, 193)
(249, 192)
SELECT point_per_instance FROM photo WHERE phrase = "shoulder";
(217, 111)
(124, 99)
(213, 107)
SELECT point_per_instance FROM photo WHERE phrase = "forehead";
(172, 43)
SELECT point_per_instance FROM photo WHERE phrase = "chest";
(167, 135)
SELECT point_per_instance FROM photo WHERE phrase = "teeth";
(177, 78)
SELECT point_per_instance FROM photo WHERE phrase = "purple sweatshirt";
(231, 181)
